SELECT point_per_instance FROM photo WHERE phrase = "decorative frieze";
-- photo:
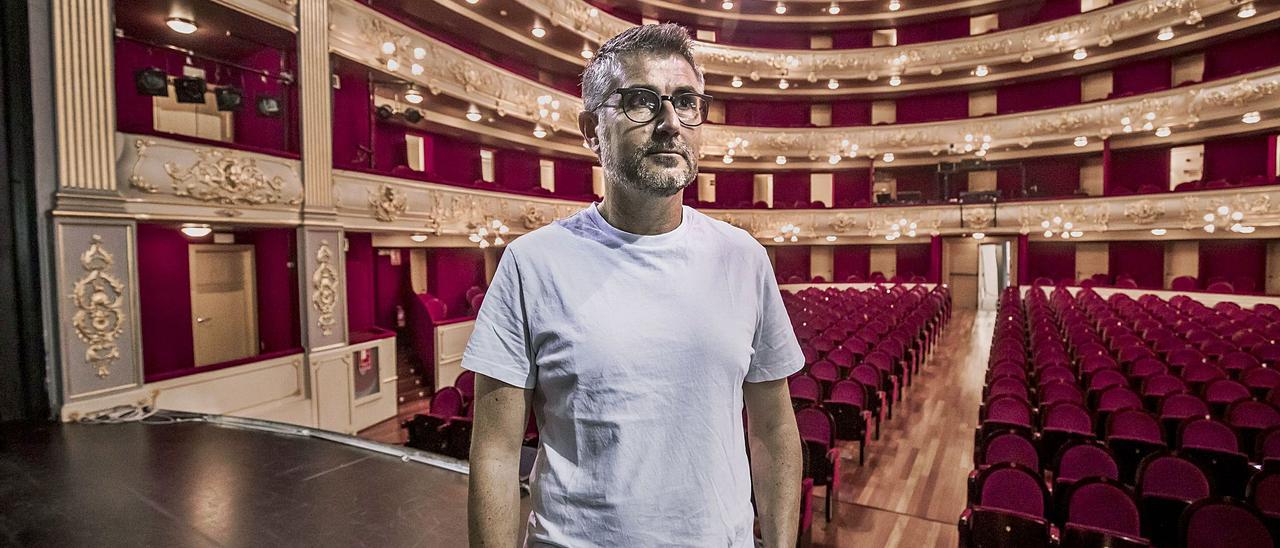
(324, 289)
(99, 297)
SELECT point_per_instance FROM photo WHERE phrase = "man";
(636, 330)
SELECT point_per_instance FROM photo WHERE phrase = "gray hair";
(598, 80)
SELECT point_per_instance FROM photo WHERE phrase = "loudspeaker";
(385, 112)
(189, 89)
(151, 81)
(412, 115)
(229, 98)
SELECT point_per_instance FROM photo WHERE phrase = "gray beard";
(632, 173)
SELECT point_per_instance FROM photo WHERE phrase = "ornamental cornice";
(1097, 28)
(361, 34)
(445, 210)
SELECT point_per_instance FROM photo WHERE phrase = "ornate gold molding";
(388, 203)
(1143, 212)
(225, 177)
(99, 299)
(324, 289)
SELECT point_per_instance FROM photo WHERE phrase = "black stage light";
(189, 89)
(385, 112)
(151, 81)
(229, 98)
(412, 115)
(269, 105)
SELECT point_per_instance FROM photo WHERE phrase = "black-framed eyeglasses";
(641, 105)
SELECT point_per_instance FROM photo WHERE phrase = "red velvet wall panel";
(791, 260)
(1243, 263)
(734, 188)
(850, 38)
(791, 189)
(1053, 260)
(851, 188)
(933, 107)
(1142, 261)
(276, 133)
(390, 283)
(360, 282)
(922, 179)
(1241, 55)
(573, 177)
(165, 302)
(1130, 170)
(515, 169)
(932, 31)
(851, 260)
(1141, 76)
(456, 161)
(690, 193)
(773, 39)
(351, 124)
(450, 272)
(850, 112)
(913, 260)
(1051, 176)
(1235, 158)
(766, 113)
(388, 146)
(1038, 95)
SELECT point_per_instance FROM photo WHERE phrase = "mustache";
(676, 147)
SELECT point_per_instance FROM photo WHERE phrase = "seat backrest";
(466, 383)
(1268, 445)
(1009, 410)
(804, 387)
(1180, 406)
(816, 425)
(849, 392)
(1252, 414)
(1060, 391)
(1260, 378)
(1264, 493)
(1013, 487)
(1167, 474)
(1081, 460)
(1134, 424)
(1223, 523)
(1104, 504)
(1163, 384)
(1011, 447)
(1204, 433)
(824, 371)
(446, 403)
(1067, 417)
(1223, 391)
(1117, 398)
(1007, 385)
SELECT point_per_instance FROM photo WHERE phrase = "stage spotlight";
(412, 115)
(269, 106)
(385, 112)
(151, 81)
(229, 98)
(189, 89)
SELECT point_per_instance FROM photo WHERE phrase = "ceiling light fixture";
(979, 235)
(1079, 54)
(1165, 34)
(895, 80)
(419, 53)
(1159, 232)
(781, 160)
(783, 84)
(416, 69)
(1163, 131)
(981, 71)
(833, 84)
(831, 238)
(181, 25)
(736, 82)
(539, 131)
(834, 9)
(473, 113)
(1252, 117)
(727, 5)
(728, 159)
(388, 47)
(418, 237)
(393, 65)
(586, 52)
(195, 230)
(538, 31)
(1246, 10)
(833, 159)
(412, 95)
(895, 5)
(888, 157)
(780, 8)
(1082, 141)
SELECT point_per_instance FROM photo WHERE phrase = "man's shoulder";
(728, 233)
(549, 236)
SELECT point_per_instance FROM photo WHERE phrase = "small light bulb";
(192, 230)
(1163, 131)
(419, 53)
(783, 84)
(1079, 54)
(393, 65)
(418, 237)
(981, 71)
(538, 31)
(736, 82)
(888, 157)
(388, 48)
(1166, 33)
(538, 131)
(1159, 232)
(780, 160)
(727, 5)
(473, 113)
(833, 83)
(895, 80)
(1082, 141)
(587, 53)
(895, 5)
(834, 9)
(1252, 117)
(413, 95)
(780, 8)
(1223, 210)
(1246, 10)
(728, 159)
(979, 235)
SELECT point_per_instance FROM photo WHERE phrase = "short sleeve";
(499, 346)
(776, 352)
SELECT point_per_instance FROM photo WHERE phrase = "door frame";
(251, 286)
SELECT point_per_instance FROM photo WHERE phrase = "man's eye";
(640, 100)
(686, 101)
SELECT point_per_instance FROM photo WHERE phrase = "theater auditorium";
(900, 273)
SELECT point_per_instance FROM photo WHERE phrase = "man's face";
(659, 157)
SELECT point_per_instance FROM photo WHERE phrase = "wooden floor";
(912, 488)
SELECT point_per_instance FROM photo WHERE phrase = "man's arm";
(493, 501)
(775, 460)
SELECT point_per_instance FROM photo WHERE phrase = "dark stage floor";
(203, 484)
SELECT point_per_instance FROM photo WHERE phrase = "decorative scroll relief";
(362, 33)
(1143, 212)
(99, 298)
(388, 203)
(324, 285)
(1252, 205)
(978, 217)
(221, 176)
(1096, 28)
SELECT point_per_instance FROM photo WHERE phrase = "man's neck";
(640, 213)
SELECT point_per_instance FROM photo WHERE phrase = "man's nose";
(668, 121)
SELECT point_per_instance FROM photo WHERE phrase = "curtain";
(573, 178)
(514, 169)
(1137, 170)
(351, 107)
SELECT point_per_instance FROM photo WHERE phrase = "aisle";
(912, 488)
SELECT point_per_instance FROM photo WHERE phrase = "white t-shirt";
(636, 347)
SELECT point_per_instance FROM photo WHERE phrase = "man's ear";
(587, 125)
